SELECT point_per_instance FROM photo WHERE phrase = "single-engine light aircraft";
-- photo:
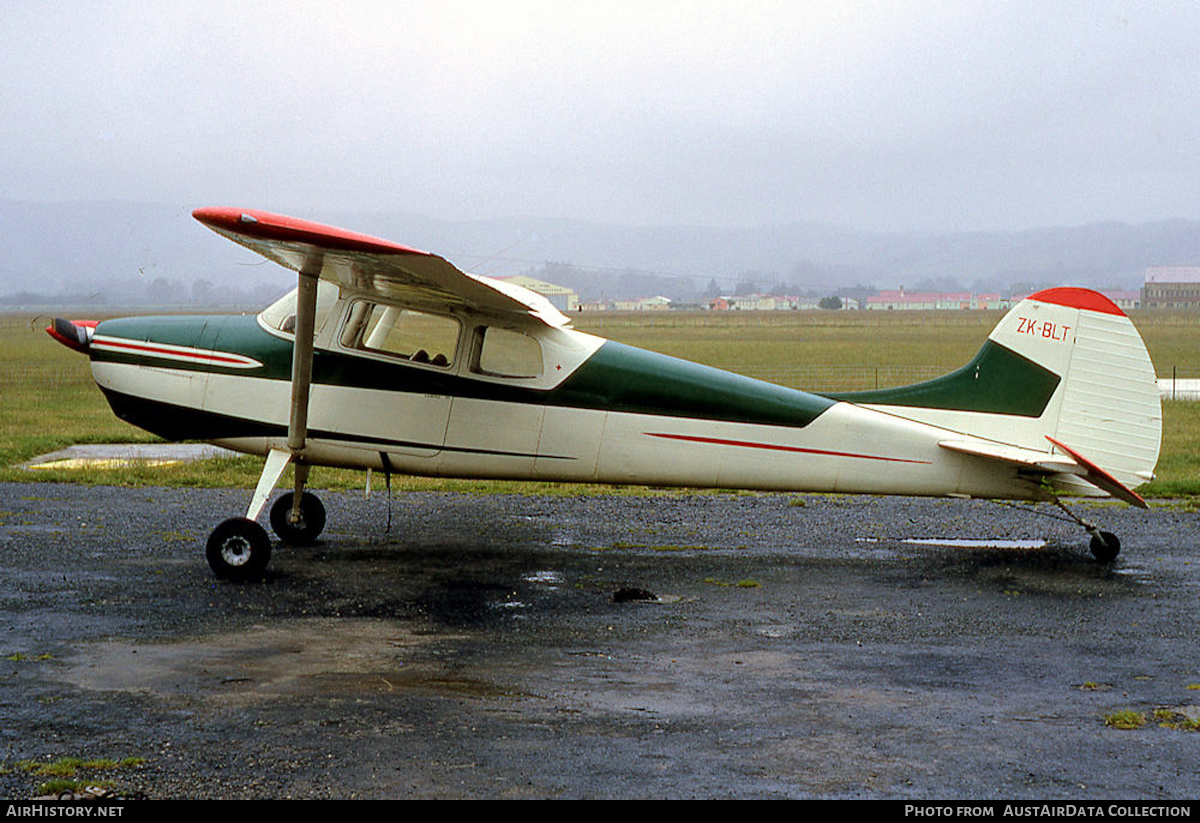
(392, 359)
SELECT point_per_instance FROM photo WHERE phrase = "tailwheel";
(239, 549)
(301, 531)
(1105, 546)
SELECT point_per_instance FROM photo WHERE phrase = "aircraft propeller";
(74, 334)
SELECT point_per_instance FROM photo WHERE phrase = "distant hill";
(112, 251)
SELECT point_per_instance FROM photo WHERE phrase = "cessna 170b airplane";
(389, 358)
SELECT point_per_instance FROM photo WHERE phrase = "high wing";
(369, 264)
(392, 272)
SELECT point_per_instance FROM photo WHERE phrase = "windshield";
(281, 315)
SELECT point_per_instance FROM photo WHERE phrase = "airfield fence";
(846, 377)
(40, 374)
(1177, 382)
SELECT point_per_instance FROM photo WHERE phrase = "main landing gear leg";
(1104, 545)
(239, 548)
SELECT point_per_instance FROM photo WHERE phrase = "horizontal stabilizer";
(1049, 464)
(1014, 455)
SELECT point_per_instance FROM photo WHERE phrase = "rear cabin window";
(418, 336)
(507, 353)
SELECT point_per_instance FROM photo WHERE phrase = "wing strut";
(302, 358)
(302, 353)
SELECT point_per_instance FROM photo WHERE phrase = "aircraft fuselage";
(590, 411)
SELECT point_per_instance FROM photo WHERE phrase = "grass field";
(48, 400)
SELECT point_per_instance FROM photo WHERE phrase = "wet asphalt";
(471, 646)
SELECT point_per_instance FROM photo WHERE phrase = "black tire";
(312, 519)
(239, 549)
(1105, 547)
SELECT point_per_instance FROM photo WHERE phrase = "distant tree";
(747, 284)
(162, 292)
(831, 302)
(938, 284)
(202, 291)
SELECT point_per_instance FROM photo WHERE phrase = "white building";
(561, 297)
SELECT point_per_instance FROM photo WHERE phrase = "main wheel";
(238, 549)
(1105, 546)
(310, 525)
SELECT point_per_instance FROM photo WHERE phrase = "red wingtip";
(279, 227)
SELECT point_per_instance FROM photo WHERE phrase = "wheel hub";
(235, 550)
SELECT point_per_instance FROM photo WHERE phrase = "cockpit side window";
(507, 353)
(403, 333)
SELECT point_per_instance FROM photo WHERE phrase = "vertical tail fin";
(1109, 407)
(1064, 367)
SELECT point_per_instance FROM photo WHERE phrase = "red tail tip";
(1078, 298)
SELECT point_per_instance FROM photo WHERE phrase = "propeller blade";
(74, 334)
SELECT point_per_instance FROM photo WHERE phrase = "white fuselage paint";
(848, 448)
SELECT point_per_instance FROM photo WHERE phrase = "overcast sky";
(902, 115)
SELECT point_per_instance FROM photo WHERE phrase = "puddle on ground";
(972, 543)
(122, 455)
(260, 662)
(962, 542)
(547, 577)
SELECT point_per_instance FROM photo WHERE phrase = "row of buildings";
(943, 301)
(1171, 287)
(1165, 287)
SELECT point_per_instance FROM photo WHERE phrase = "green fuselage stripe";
(624, 378)
(996, 381)
(616, 377)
